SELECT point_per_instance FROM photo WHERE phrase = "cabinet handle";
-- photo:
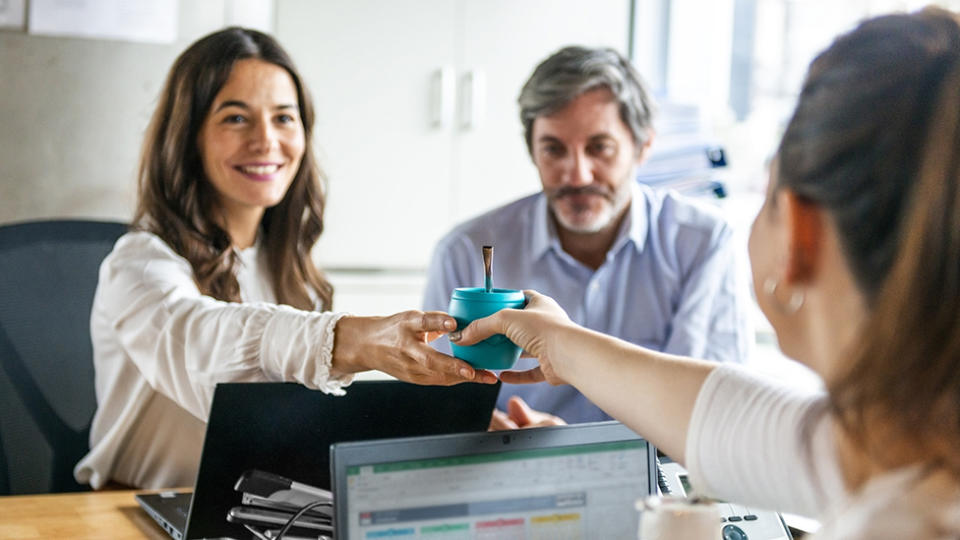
(473, 102)
(441, 97)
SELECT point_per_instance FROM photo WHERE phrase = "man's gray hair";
(572, 71)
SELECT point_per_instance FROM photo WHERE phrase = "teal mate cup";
(470, 303)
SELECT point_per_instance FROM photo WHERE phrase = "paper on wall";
(11, 13)
(150, 21)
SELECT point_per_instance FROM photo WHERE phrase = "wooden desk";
(91, 515)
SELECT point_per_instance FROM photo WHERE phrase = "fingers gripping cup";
(470, 303)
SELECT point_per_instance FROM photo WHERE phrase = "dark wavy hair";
(177, 202)
(875, 141)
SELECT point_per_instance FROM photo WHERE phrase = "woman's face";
(252, 140)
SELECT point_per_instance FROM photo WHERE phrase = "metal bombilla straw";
(488, 268)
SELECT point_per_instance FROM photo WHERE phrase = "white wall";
(398, 179)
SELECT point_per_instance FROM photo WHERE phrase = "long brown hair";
(875, 140)
(177, 202)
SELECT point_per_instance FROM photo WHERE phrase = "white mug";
(673, 518)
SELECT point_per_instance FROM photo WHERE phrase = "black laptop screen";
(286, 429)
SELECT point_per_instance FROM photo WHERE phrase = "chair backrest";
(48, 275)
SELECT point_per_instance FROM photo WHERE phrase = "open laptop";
(287, 429)
(578, 481)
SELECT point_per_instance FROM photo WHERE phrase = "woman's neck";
(243, 227)
(831, 320)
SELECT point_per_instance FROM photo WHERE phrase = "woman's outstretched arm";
(651, 392)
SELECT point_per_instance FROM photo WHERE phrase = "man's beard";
(616, 201)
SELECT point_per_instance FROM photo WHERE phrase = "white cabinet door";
(399, 181)
(370, 65)
(505, 40)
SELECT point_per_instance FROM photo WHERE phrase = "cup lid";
(479, 294)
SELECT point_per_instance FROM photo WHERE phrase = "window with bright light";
(740, 64)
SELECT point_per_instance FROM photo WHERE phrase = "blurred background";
(417, 126)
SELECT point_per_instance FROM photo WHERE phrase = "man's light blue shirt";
(671, 282)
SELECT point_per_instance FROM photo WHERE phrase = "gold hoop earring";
(795, 302)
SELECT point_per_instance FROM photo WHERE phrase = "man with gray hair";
(652, 268)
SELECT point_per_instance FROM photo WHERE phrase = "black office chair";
(48, 274)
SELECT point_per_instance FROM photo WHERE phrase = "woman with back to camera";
(216, 283)
(856, 263)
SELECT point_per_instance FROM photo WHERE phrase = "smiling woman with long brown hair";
(215, 283)
(856, 263)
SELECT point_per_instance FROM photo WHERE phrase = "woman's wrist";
(347, 357)
(566, 350)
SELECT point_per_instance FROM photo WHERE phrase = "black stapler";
(265, 489)
(270, 501)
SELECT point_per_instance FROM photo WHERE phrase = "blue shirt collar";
(633, 229)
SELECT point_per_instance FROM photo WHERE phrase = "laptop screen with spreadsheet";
(576, 481)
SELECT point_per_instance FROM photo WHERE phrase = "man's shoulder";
(670, 210)
(682, 228)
